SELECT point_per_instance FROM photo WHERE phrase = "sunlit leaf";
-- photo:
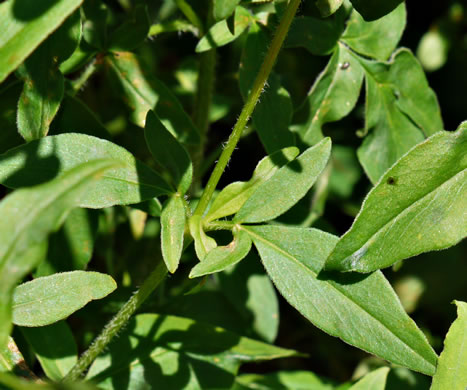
(173, 219)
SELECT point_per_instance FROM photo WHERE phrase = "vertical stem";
(116, 323)
(249, 106)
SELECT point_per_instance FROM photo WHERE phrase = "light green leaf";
(54, 347)
(222, 257)
(219, 34)
(11, 358)
(375, 380)
(173, 219)
(224, 8)
(417, 206)
(328, 7)
(25, 24)
(376, 39)
(233, 196)
(332, 97)
(451, 372)
(187, 354)
(168, 152)
(41, 160)
(432, 50)
(362, 310)
(401, 110)
(296, 380)
(143, 93)
(375, 9)
(132, 32)
(273, 113)
(48, 299)
(12, 382)
(28, 216)
(203, 243)
(286, 187)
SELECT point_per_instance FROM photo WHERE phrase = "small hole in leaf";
(391, 181)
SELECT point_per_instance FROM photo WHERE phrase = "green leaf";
(28, 216)
(173, 220)
(221, 257)
(83, 54)
(11, 359)
(168, 152)
(132, 32)
(72, 246)
(224, 8)
(286, 187)
(219, 34)
(417, 206)
(41, 160)
(49, 299)
(296, 380)
(25, 24)
(54, 347)
(95, 23)
(328, 7)
(376, 39)
(375, 9)
(143, 93)
(362, 310)
(401, 110)
(9, 136)
(10, 382)
(177, 353)
(451, 372)
(332, 97)
(203, 243)
(233, 196)
(273, 113)
(432, 50)
(375, 380)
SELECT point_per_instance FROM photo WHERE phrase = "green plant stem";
(78, 83)
(116, 323)
(190, 15)
(249, 106)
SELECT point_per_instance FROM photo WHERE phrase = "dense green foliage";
(119, 171)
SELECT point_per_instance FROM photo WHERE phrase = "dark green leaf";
(328, 7)
(375, 9)
(219, 34)
(286, 187)
(362, 310)
(375, 380)
(49, 299)
(28, 216)
(451, 372)
(173, 220)
(417, 206)
(25, 24)
(133, 32)
(168, 152)
(144, 93)
(376, 39)
(54, 347)
(177, 353)
(332, 97)
(41, 160)
(9, 136)
(221, 257)
(95, 23)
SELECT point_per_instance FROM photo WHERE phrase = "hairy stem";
(116, 323)
(78, 83)
(249, 106)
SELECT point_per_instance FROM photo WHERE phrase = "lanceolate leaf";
(222, 257)
(363, 311)
(232, 197)
(172, 229)
(143, 93)
(168, 152)
(417, 206)
(375, 380)
(25, 24)
(224, 8)
(451, 372)
(28, 216)
(203, 356)
(46, 300)
(54, 347)
(41, 160)
(375, 9)
(332, 97)
(376, 39)
(286, 187)
(400, 112)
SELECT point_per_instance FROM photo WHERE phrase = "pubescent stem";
(117, 322)
(78, 83)
(249, 106)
